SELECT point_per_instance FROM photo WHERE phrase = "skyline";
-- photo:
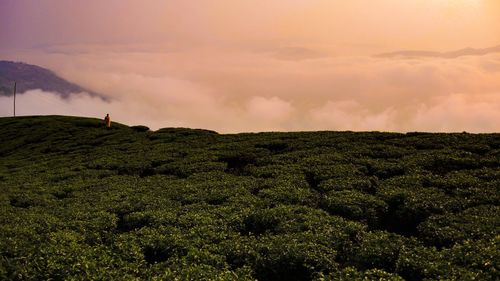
(265, 65)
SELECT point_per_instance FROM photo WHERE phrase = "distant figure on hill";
(107, 121)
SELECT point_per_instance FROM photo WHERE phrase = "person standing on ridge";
(107, 121)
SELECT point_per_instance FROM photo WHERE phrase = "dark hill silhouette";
(30, 77)
(447, 55)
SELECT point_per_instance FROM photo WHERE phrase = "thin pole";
(15, 85)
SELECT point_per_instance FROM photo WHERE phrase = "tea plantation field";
(80, 202)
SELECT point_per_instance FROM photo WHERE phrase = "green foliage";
(408, 207)
(351, 273)
(140, 128)
(468, 260)
(474, 223)
(79, 201)
(355, 205)
(378, 249)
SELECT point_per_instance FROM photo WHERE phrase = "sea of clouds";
(290, 88)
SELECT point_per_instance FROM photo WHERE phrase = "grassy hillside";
(79, 201)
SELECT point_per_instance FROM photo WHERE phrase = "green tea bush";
(355, 205)
(294, 263)
(453, 181)
(287, 194)
(410, 207)
(476, 148)
(274, 146)
(420, 263)
(288, 257)
(444, 163)
(351, 273)
(363, 184)
(140, 128)
(473, 223)
(465, 261)
(384, 170)
(163, 248)
(237, 161)
(315, 175)
(282, 219)
(378, 250)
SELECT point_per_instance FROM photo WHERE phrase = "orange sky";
(268, 64)
(382, 24)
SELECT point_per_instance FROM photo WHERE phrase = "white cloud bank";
(238, 91)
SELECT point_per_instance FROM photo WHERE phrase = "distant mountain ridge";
(448, 55)
(31, 77)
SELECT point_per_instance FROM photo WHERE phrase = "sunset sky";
(264, 65)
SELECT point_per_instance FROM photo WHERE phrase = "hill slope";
(30, 77)
(446, 55)
(127, 203)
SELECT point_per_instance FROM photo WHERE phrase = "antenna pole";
(15, 85)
